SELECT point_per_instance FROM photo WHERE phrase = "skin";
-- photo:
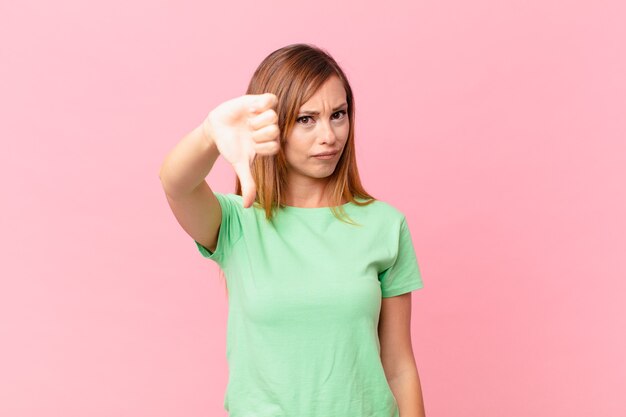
(396, 352)
(307, 176)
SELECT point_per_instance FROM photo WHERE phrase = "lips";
(326, 153)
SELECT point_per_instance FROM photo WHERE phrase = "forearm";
(407, 389)
(188, 164)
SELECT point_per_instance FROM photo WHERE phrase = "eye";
(303, 117)
(342, 113)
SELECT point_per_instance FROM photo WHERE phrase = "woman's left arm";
(396, 352)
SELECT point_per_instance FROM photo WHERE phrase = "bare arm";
(394, 332)
(192, 201)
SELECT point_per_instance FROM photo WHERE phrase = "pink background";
(497, 127)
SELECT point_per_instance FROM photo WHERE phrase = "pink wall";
(498, 128)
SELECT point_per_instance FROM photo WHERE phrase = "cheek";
(298, 148)
(342, 132)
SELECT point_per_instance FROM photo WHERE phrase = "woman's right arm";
(192, 201)
(237, 129)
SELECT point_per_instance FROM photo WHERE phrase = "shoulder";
(231, 204)
(384, 211)
(234, 201)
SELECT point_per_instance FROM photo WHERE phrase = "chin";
(325, 173)
(318, 172)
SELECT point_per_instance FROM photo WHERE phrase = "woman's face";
(312, 134)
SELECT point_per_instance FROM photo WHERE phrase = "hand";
(241, 128)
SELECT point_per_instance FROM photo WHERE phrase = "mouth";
(326, 154)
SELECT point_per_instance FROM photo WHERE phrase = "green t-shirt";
(304, 304)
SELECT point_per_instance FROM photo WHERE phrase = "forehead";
(331, 93)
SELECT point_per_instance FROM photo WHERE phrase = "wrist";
(207, 136)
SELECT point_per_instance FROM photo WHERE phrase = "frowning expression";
(322, 126)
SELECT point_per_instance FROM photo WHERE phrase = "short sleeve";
(230, 229)
(404, 274)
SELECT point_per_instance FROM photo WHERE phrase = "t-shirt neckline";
(311, 210)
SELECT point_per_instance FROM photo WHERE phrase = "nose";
(327, 133)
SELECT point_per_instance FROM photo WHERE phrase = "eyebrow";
(317, 113)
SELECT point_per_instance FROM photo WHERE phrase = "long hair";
(294, 73)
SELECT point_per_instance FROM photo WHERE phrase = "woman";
(319, 273)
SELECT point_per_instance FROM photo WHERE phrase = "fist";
(241, 128)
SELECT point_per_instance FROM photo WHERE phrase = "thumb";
(248, 187)
(260, 101)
